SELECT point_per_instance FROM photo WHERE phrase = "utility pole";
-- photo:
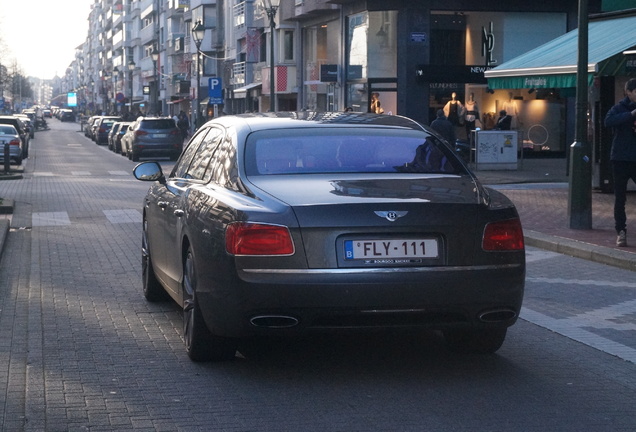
(580, 190)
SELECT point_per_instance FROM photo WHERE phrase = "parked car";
(88, 126)
(116, 133)
(28, 124)
(102, 128)
(67, 115)
(153, 136)
(47, 113)
(284, 223)
(19, 126)
(8, 135)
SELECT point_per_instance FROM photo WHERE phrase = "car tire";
(18, 161)
(478, 341)
(153, 291)
(134, 156)
(201, 344)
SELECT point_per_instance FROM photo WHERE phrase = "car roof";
(300, 119)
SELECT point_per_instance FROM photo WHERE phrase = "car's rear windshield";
(158, 124)
(298, 151)
(7, 130)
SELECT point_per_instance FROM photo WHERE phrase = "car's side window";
(201, 159)
(222, 168)
(180, 170)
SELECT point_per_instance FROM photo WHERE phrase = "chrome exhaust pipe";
(274, 321)
(497, 315)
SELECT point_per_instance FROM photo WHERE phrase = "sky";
(41, 35)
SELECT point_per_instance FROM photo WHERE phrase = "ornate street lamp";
(155, 59)
(198, 32)
(271, 6)
(131, 68)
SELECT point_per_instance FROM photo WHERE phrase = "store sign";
(488, 44)
(329, 73)
(450, 74)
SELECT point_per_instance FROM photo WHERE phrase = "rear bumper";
(295, 301)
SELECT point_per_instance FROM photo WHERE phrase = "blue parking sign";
(215, 90)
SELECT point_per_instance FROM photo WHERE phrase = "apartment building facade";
(142, 55)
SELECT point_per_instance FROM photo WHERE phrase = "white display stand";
(496, 150)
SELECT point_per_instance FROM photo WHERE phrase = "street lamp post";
(115, 76)
(131, 68)
(92, 84)
(271, 6)
(155, 59)
(198, 32)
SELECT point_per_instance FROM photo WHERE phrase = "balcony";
(308, 9)
(147, 34)
(238, 74)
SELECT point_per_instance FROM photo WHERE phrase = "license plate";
(402, 248)
(160, 135)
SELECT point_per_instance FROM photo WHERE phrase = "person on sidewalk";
(622, 118)
(444, 127)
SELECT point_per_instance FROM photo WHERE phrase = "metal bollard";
(7, 153)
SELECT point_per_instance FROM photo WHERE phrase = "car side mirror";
(149, 171)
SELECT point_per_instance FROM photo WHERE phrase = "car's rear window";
(158, 124)
(7, 130)
(299, 151)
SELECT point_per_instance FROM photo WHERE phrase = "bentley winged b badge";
(391, 215)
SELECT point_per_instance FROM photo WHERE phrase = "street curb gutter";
(578, 249)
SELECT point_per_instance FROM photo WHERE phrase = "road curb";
(4, 231)
(579, 249)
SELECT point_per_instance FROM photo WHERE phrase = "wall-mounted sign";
(329, 73)
(419, 37)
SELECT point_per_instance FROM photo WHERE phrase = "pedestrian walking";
(444, 127)
(183, 123)
(622, 119)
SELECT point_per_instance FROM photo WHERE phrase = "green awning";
(554, 64)
(536, 81)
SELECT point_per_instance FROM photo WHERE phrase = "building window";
(288, 45)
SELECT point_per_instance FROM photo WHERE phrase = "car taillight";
(503, 236)
(141, 132)
(175, 132)
(15, 142)
(258, 239)
(102, 130)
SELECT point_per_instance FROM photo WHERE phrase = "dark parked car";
(8, 135)
(276, 224)
(67, 115)
(153, 136)
(21, 128)
(102, 127)
(114, 136)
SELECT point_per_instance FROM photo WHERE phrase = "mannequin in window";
(472, 114)
(510, 106)
(376, 106)
(454, 110)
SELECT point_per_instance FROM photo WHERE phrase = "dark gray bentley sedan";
(279, 223)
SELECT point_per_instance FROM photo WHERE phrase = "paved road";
(80, 349)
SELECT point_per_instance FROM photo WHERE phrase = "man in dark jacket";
(504, 122)
(444, 127)
(622, 118)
